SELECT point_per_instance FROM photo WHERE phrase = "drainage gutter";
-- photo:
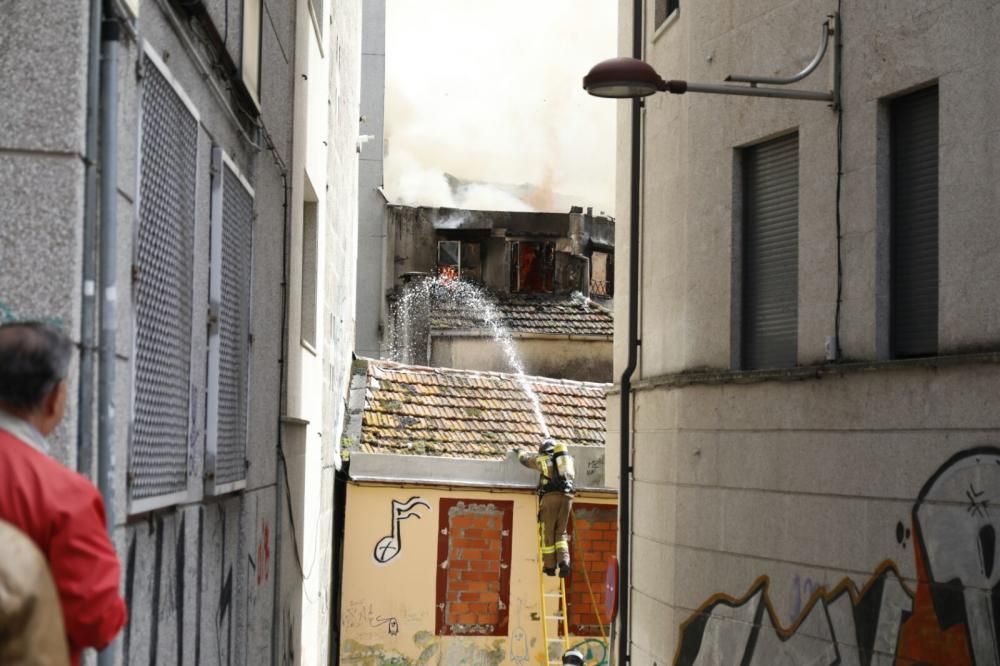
(88, 296)
(625, 462)
(108, 248)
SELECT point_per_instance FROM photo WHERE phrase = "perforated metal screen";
(234, 328)
(162, 291)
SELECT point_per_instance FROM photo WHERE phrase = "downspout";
(110, 36)
(286, 224)
(625, 462)
(88, 296)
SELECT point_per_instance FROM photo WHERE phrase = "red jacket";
(63, 514)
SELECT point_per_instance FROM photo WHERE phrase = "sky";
(490, 91)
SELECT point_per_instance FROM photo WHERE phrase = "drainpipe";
(625, 463)
(110, 36)
(88, 297)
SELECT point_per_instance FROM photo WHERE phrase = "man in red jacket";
(60, 510)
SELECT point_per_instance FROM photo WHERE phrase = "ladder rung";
(556, 640)
(553, 617)
(553, 594)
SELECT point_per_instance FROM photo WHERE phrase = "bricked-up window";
(594, 541)
(473, 575)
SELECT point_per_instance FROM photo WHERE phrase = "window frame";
(146, 504)
(220, 162)
(891, 154)
(741, 257)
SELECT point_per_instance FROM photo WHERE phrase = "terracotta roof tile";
(529, 313)
(469, 414)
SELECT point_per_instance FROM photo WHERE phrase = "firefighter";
(572, 658)
(556, 490)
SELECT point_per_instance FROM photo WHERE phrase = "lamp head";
(623, 78)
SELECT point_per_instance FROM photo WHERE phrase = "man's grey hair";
(34, 358)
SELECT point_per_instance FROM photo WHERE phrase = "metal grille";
(914, 264)
(771, 254)
(158, 457)
(234, 328)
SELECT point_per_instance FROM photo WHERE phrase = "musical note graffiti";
(390, 545)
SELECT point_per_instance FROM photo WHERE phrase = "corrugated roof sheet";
(530, 313)
(469, 414)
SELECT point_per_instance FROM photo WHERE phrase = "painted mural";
(952, 618)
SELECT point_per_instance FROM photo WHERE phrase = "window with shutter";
(770, 257)
(231, 250)
(913, 163)
(663, 9)
(162, 293)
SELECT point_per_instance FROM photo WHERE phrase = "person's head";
(573, 657)
(547, 446)
(34, 360)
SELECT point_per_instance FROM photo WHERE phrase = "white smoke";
(489, 91)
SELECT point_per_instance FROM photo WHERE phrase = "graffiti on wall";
(952, 618)
(389, 546)
(8, 315)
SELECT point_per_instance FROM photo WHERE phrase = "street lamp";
(631, 78)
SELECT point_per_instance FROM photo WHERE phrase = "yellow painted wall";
(388, 609)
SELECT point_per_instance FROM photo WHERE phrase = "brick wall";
(473, 575)
(593, 543)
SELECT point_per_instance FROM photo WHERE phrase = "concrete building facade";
(371, 196)
(812, 487)
(234, 179)
(543, 279)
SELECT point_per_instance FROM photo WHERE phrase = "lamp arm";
(777, 81)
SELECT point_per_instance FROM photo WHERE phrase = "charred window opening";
(602, 274)
(532, 266)
(460, 258)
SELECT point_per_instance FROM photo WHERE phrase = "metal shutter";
(771, 254)
(158, 456)
(229, 327)
(914, 224)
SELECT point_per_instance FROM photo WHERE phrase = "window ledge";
(726, 376)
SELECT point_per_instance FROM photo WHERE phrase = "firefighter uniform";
(555, 490)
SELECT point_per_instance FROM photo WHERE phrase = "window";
(250, 66)
(459, 258)
(230, 264)
(163, 293)
(913, 223)
(532, 266)
(594, 542)
(473, 572)
(602, 274)
(310, 272)
(663, 9)
(316, 9)
(770, 254)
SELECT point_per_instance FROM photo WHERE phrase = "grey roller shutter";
(914, 224)
(770, 316)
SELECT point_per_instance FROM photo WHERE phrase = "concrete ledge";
(726, 376)
(507, 473)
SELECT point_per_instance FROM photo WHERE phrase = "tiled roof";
(468, 414)
(529, 313)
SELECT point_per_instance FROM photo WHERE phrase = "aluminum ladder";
(545, 594)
